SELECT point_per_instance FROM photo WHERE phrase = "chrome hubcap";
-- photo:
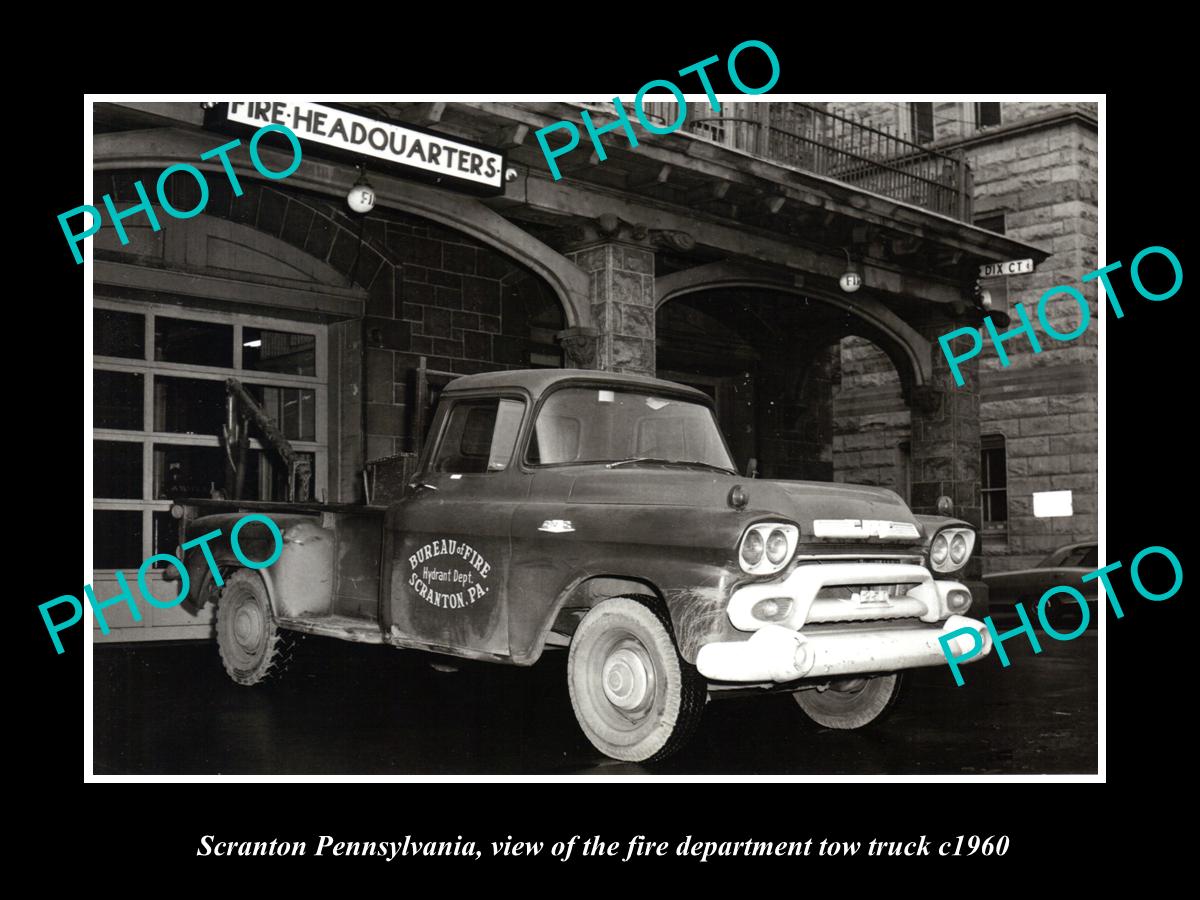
(628, 677)
(247, 627)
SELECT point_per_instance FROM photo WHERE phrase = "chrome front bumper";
(863, 636)
(779, 654)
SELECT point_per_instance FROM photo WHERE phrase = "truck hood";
(820, 500)
(800, 501)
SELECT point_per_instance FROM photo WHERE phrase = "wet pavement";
(355, 709)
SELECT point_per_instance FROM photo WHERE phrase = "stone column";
(622, 296)
(945, 435)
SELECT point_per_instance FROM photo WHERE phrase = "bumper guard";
(860, 638)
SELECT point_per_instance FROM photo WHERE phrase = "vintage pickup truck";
(602, 513)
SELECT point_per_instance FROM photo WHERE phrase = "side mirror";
(752, 468)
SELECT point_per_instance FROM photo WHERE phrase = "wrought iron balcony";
(825, 143)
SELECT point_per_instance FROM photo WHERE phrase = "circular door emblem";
(449, 574)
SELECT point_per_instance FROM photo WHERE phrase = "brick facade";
(440, 295)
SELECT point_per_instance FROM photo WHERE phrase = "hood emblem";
(557, 526)
(860, 528)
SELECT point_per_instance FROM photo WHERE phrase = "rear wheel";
(253, 648)
(850, 702)
(635, 697)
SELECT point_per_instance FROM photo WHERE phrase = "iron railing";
(827, 143)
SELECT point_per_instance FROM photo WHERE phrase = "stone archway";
(158, 148)
(942, 450)
(399, 292)
(776, 347)
(909, 351)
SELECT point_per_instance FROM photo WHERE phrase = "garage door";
(158, 405)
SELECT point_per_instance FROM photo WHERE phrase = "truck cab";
(601, 513)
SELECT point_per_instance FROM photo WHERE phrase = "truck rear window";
(479, 436)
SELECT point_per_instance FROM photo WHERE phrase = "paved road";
(354, 709)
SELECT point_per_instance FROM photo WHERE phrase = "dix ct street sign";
(1011, 267)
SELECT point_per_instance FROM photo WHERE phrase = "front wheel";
(850, 702)
(635, 698)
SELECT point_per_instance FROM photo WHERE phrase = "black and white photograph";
(712, 435)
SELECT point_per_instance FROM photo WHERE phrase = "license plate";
(868, 598)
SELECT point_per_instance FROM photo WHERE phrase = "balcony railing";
(825, 143)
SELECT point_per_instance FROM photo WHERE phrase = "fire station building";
(715, 256)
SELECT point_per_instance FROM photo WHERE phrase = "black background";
(151, 831)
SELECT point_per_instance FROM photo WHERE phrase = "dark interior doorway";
(730, 395)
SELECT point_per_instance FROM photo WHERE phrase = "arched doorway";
(325, 318)
(772, 359)
(152, 151)
(396, 292)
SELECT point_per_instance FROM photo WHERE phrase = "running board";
(346, 628)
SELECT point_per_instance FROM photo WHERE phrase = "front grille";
(847, 603)
(896, 558)
(865, 603)
(847, 592)
(817, 559)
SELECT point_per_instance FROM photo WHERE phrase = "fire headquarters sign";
(432, 157)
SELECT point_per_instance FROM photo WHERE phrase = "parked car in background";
(1065, 566)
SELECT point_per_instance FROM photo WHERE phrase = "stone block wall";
(945, 437)
(870, 421)
(441, 295)
(952, 121)
(622, 292)
(1044, 183)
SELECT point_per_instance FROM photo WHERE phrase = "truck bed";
(328, 580)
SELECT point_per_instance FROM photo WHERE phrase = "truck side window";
(479, 437)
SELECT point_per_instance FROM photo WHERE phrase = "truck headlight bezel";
(951, 549)
(763, 532)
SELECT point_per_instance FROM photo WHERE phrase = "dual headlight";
(767, 547)
(951, 548)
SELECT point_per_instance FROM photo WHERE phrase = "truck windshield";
(602, 425)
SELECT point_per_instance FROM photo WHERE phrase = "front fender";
(695, 593)
(930, 526)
